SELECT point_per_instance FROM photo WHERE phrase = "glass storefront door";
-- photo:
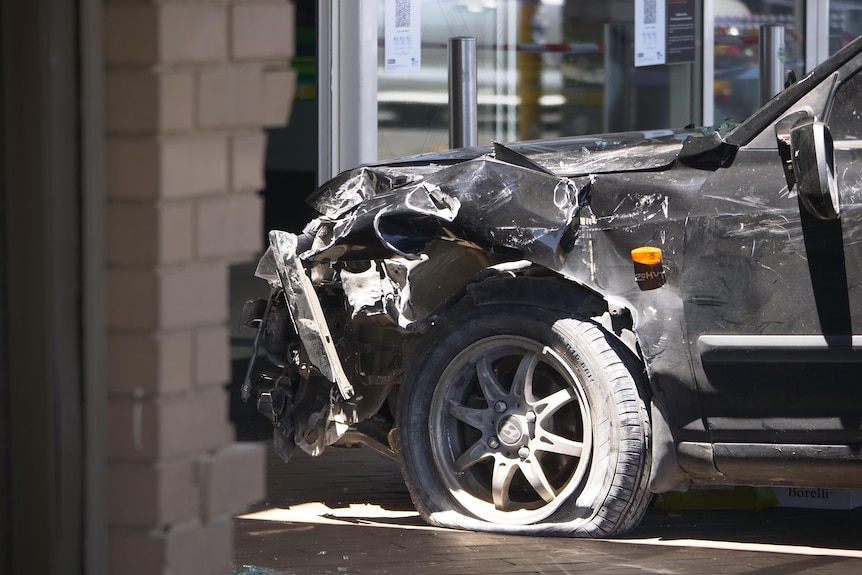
(737, 29)
(551, 68)
(845, 22)
(545, 68)
(413, 101)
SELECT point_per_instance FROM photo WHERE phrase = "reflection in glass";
(546, 68)
(737, 56)
(845, 22)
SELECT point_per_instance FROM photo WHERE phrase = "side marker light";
(649, 267)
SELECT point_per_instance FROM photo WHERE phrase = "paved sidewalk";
(349, 512)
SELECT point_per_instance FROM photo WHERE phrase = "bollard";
(616, 69)
(771, 61)
(463, 120)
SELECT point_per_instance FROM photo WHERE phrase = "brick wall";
(189, 87)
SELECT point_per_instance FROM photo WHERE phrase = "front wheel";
(514, 420)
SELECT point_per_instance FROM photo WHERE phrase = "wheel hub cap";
(513, 431)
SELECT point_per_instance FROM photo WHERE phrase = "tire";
(513, 420)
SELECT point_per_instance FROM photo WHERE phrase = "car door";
(772, 297)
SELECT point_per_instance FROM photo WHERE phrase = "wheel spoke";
(503, 473)
(488, 380)
(549, 405)
(534, 473)
(522, 385)
(554, 443)
(476, 453)
(476, 418)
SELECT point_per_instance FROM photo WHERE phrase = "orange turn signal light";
(649, 270)
(647, 255)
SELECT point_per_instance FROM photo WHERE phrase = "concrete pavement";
(349, 512)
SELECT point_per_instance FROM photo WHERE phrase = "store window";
(845, 118)
(550, 68)
(413, 98)
(845, 22)
(545, 68)
(737, 55)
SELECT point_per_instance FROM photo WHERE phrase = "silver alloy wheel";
(510, 430)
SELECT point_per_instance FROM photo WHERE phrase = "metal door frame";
(347, 85)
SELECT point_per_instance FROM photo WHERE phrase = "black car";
(547, 333)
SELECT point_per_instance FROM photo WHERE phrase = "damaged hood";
(484, 202)
(607, 153)
(520, 199)
(567, 157)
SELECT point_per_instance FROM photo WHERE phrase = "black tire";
(514, 420)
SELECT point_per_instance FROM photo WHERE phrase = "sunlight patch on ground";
(368, 515)
(733, 546)
(321, 514)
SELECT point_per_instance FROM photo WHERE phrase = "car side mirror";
(813, 161)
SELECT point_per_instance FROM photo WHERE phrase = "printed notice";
(650, 40)
(680, 31)
(402, 29)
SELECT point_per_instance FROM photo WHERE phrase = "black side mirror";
(813, 161)
(782, 133)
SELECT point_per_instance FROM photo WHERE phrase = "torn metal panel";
(486, 202)
(308, 317)
(366, 291)
(412, 293)
(384, 288)
(350, 188)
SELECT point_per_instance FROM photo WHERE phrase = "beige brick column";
(189, 87)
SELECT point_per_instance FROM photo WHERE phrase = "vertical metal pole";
(615, 73)
(816, 33)
(506, 73)
(771, 61)
(347, 85)
(94, 315)
(463, 115)
(708, 64)
(529, 76)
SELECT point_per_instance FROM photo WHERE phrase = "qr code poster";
(650, 32)
(403, 35)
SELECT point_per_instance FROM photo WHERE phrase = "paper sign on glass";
(650, 31)
(402, 31)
